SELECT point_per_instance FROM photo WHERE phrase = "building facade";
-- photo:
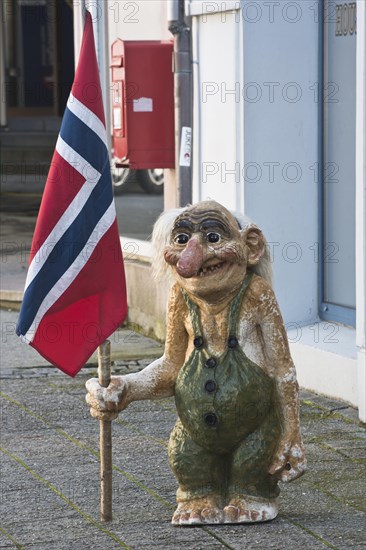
(279, 94)
(279, 133)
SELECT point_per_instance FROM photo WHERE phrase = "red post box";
(143, 104)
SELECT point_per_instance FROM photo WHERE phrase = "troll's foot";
(248, 510)
(198, 511)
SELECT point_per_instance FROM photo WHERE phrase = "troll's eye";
(182, 238)
(213, 237)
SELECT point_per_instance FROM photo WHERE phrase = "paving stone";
(50, 480)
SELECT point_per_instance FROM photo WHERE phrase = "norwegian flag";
(75, 292)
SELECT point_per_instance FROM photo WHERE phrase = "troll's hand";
(106, 403)
(289, 461)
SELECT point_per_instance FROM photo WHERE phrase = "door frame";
(327, 310)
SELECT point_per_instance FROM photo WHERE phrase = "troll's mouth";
(210, 269)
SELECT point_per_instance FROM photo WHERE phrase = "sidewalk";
(50, 472)
(49, 495)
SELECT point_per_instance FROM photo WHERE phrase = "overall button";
(232, 342)
(210, 419)
(210, 386)
(198, 342)
(210, 363)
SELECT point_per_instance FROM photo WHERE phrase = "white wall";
(281, 69)
(218, 128)
(138, 20)
(361, 206)
(255, 75)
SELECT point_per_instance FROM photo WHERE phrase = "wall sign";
(346, 19)
(185, 146)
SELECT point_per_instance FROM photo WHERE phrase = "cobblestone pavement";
(50, 475)
(49, 453)
(49, 447)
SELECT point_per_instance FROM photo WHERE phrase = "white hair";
(161, 239)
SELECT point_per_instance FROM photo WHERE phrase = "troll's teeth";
(210, 269)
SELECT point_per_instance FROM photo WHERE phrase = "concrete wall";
(147, 298)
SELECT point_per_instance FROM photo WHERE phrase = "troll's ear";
(256, 244)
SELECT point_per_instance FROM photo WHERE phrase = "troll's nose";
(191, 259)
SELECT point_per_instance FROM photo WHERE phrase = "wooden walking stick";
(104, 377)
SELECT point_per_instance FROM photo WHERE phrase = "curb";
(11, 299)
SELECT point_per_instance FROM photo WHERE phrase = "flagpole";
(79, 9)
(104, 376)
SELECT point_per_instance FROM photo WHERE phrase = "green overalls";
(228, 424)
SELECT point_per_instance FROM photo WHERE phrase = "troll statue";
(228, 365)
